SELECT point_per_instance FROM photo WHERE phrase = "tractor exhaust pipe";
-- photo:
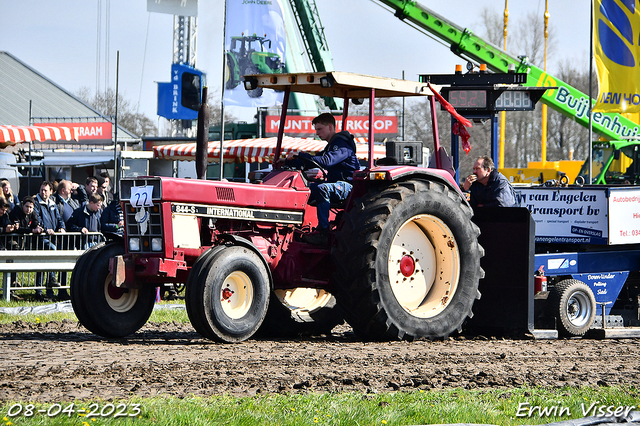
(202, 136)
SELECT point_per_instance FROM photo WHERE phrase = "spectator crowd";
(59, 207)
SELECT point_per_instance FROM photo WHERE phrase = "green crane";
(565, 99)
(315, 43)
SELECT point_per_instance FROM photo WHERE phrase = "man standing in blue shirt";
(340, 160)
(51, 223)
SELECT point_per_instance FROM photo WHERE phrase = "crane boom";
(315, 43)
(565, 99)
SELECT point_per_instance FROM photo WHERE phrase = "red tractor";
(403, 260)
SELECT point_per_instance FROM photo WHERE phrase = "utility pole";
(184, 52)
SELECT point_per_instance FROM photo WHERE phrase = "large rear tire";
(231, 77)
(228, 294)
(574, 306)
(102, 308)
(408, 262)
(301, 311)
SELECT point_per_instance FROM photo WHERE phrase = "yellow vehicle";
(535, 172)
(618, 159)
(614, 162)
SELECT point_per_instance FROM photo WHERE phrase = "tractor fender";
(404, 173)
(243, 242)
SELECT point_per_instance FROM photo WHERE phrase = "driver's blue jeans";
(324, 194)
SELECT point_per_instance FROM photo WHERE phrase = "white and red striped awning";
(256, 150)
(12, 135)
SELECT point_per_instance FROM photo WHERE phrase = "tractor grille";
(135, 229)
(225, 194)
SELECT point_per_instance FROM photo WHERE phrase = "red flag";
(459, 126)
(459, 130)
(450, 108)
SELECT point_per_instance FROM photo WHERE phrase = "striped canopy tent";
(256, 150)
(12, 135)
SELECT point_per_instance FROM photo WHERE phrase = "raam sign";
(98, 133)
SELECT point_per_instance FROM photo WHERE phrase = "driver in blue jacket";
(340, 160)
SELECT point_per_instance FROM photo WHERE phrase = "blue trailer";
(587, 243)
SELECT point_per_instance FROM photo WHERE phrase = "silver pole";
(115, 137)
(402, 121)
(591, 41)
(224, 68)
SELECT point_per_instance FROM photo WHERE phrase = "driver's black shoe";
(320, 238)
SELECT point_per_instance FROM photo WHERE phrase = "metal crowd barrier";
(22, 254)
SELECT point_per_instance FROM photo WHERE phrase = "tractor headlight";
(156, 244)
(134, 244)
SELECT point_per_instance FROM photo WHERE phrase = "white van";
(10, 172)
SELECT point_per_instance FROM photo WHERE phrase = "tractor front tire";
(79, 273)
(574, 306)
(408, 262)
(101, 307)
(228, 294)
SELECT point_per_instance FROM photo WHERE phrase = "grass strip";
(517, 406)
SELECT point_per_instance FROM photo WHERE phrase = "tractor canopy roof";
(340, 84)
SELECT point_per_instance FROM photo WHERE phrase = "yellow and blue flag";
(617, 50)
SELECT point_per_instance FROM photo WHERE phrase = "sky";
(59, 39)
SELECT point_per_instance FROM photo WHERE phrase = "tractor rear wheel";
(574, 306)
(301, 311)
(103, 308)
(408, 262)
(228, 294)
(231, 76)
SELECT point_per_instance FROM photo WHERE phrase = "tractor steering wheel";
(316, 165)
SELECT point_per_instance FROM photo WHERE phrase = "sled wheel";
(408, 262)
(228, 294)
(103, 308)
(301, 311)
(574, 305)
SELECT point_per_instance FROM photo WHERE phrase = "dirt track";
(56, 362)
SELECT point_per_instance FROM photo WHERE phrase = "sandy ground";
(61, 361)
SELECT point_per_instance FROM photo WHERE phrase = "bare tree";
(493, 26)
(215, 111)
(566, 137)
(523, 129)
(128, 117)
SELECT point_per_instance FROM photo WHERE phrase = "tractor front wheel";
(228, 294)
(100, 306)
(408, 262)
(257, 92)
